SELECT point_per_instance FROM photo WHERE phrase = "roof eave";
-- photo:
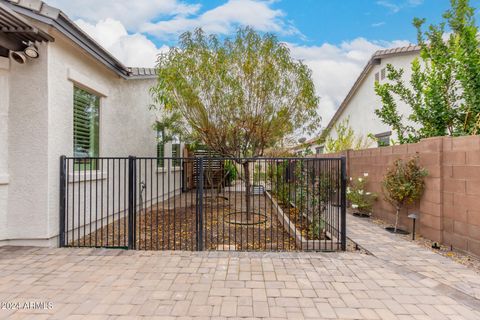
(374, 60)
(63, 24)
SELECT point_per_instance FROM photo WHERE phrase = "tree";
(345, 139)
(444, 91)
(403, 184)
(237, 96)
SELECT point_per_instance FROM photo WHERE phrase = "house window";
(85, 128)
(377, 77)
(176, 152)
(383, 139)
(319, 150)
(160, 149)
(382, 72)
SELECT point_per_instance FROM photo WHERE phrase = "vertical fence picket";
(63, 182)
(131, 201)
(343, 204)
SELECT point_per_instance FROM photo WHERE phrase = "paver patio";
(399, 281)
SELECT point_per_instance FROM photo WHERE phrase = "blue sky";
(335, 38)
(335, 21)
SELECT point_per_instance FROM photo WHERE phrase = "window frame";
(383, 135)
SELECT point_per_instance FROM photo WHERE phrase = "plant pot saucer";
(399, 231)
(361, 215)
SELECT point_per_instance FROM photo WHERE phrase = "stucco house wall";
(360, 107)
(36, 127)
(4, 105)
(28, 150)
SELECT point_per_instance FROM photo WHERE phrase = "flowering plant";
(360, 199)
(403, 184)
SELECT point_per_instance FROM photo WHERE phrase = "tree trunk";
(396, 220)
(246, 169)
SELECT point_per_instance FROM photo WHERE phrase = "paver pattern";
(409, 282)
(413, 260)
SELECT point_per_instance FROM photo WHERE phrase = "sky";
(335, 38)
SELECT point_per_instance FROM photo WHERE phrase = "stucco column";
(4, 104)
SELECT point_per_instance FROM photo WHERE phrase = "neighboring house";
(308, 147)
(360, 104)
(74, 99)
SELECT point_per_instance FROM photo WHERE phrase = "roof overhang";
(376, 59)
(51, 16)
(16, 31)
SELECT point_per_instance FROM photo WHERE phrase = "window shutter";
(176, 154)
(85, 125)
(160, 149)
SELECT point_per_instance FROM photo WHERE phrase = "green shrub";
(231, 171)
(403, 184)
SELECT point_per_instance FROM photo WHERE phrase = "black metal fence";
(262, 204)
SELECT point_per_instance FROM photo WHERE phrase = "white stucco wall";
(28, 150)
(4, 105)
(40, 130)
(361, 107)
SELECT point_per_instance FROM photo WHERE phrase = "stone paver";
(399, 280)
(418, 263)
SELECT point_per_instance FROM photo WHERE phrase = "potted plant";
(403, 184)
(361, 200)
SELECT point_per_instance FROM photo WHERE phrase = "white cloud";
(131, 13)
(396, 7)
(224, 19)
(121, 25)
(378, 24)
(335, 68)
(133, 50)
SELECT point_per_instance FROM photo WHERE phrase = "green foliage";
(404, 183)
(170, 126)
(360, 199)
(316, 227)
(230, 171)
(276, 175)
(238, 96)
(444, 89)
(346, 139)
(312, 191)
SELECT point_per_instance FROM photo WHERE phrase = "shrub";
(359, 197)
(230, 171)
(276, 174)
(403, 184)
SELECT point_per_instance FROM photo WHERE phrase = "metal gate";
(203, 203)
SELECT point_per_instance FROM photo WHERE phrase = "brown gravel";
(171, 225)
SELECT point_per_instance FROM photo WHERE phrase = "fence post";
(62, 208)
(344, 205)
(199, 206)
(132, 173)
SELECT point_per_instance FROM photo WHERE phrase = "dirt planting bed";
(171, 225)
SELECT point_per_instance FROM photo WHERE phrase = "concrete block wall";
(449, 211)
(461, 193)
